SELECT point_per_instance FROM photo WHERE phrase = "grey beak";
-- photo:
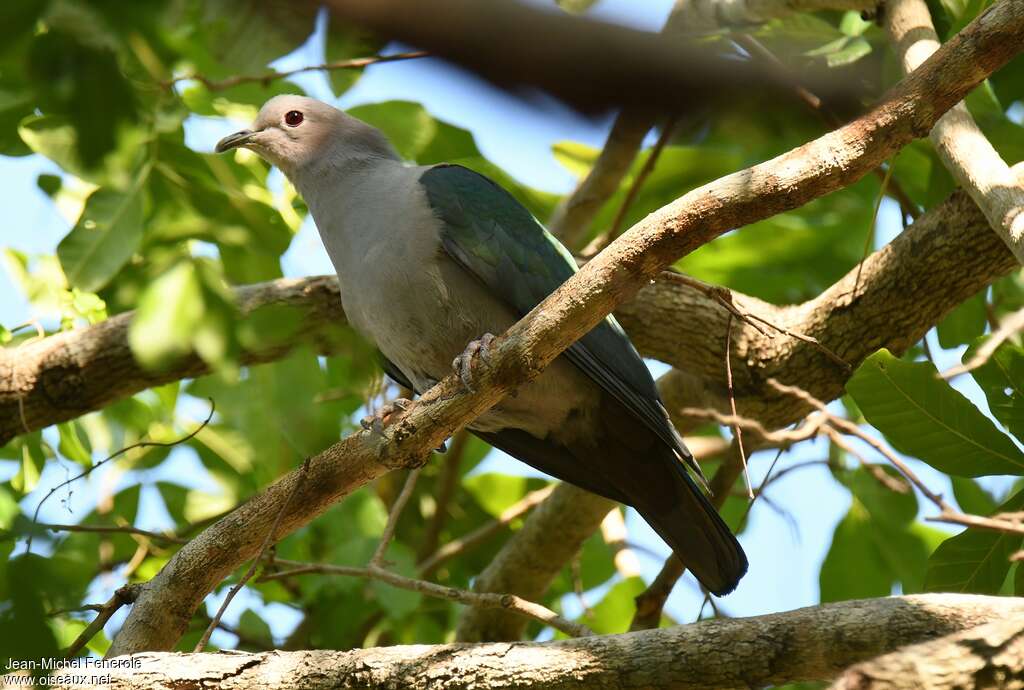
(233, 141)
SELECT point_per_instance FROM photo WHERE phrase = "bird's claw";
(464, 363)
(378, 420)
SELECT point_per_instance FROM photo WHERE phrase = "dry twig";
(464, 543)
(267, 541)
(264, 79)
(1010, 326)
(87, 471)
(123, 596)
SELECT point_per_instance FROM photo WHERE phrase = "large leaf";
(965, 323)
(923, 416)
(1002, 379)
(976, 560)
(186, 309)
(416, 134)
(879, 532)
(105, 237)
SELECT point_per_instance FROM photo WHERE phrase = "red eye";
(293, 118)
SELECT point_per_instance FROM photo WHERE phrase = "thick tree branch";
(71, 373)
(807, 644)
(986, 656)
(964, 150)
(588, 63)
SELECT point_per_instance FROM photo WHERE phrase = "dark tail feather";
(697, 534)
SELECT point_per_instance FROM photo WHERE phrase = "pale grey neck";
(342, 161)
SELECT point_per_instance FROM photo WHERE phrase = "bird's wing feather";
(493, 237)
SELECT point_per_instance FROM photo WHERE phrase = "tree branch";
(990, 655)
(964, 150)
(590, 64)
(807, 644)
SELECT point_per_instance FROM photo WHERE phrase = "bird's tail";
(684, 517)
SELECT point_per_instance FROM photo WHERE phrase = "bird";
(432, 261)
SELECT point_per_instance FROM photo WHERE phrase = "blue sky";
(518, 135)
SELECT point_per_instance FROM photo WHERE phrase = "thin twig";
(447, 485)
(464, 543)
(881, 476)
(354, 63)
(732, 404)
(602, 241)
(377, 560)
(115, 529)
(871, 230)
(123, 596)
(996, 522)
(1010, 326)
(782, 438)
(77, 609)
(87, 471)
(724, 297)
(267, 541)
(509, 602)
(851, 429)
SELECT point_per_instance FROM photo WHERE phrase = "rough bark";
(69, 374)
(987, 656)
(814, 643)
(960, 143)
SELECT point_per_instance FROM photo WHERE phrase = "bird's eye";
(293, 118)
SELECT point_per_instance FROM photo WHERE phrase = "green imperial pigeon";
(432, 258)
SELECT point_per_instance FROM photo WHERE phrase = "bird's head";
(293, 131)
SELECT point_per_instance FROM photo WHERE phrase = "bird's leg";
(464, 363)
(375, 422)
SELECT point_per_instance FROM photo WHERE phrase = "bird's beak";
(233, 141)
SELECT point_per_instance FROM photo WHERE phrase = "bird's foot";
(378, 420)
(464, 363)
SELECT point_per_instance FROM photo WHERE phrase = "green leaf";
(9, 508)
(343, 41)
(185, 309)
(396, 602)
(1002, 380)
(254, 628)
(105, 237)
(83, 80)
(495, 492)
(72, 446)
(33, 458)
(975, 560)
(854, 567)
(575, 6)
(416, 134)
(971, 497)
(879, 530)
(923, 416)
(169, 311)
(965, 323)
(615, 611)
